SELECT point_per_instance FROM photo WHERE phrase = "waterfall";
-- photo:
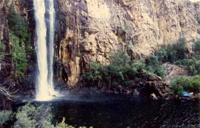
(45, 88)
(51, 41)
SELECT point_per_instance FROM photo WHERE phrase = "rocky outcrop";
(91, 30)
(173, 71)
(146, 85)
(152, 84)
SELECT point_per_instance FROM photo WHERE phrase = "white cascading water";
(51, 45)
(45, 88)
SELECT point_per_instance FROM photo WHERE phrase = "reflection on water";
(110, 111)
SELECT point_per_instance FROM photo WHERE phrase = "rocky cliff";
(8, 78)
(91, 30)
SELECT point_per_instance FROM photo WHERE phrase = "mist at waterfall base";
(45, 20)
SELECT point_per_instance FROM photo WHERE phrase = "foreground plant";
(30, 116)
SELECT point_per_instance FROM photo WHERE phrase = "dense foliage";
(196, 49)
(185, 83)
(153, 65)
(122, 70)
(18, 25)
(31, 116)
(172, 53)
(20, 36)
(19, 56)
(5, 116)
(178, 54)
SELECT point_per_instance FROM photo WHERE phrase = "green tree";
(153, 65)
(196, 49)
(122, 70)
(30, 116)
(19, 56)
(172, 53)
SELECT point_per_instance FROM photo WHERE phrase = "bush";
(95, 73)
(195, 82)
(176, 88)
(64, 125)
(196, 49)
(153, 65)
(30, 116)
(181, 49)
(5, 116)
(122, 70)
(18, 25)
(20, 36)
(193, 66)
(183, 83)
(114, 73)
(172, 53)
(19, 56)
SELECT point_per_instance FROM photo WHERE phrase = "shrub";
(5, 116)
(172, 53)
(195, 82)
(20, 36)
(30, 116)
(181, 49)
(137, 66)
(122, 70)
(183, 83)
(63, 125)
(18, 25)
(19, 56)
(176, 88)
(95, 73)
(117, 72)
(193, 66)
(154, 66)
(196, 49)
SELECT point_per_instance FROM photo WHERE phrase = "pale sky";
(194, 0)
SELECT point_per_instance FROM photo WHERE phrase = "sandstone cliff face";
(91, 30)
(7, 69)
(6, 63)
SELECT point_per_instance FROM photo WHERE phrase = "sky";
(194, 0)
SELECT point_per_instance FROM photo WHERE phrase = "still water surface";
(115, 111)
(119, 111)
